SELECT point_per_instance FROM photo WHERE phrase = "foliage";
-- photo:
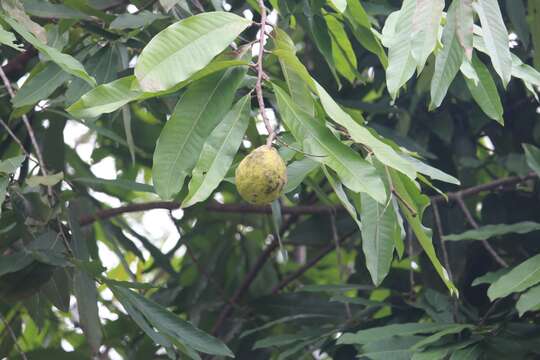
(407, 228)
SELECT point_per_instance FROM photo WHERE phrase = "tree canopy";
(407, 229)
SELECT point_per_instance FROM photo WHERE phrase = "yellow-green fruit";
(261, 176)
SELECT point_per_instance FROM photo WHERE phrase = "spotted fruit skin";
(261, 176)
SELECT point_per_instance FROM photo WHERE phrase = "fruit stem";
(261, 75)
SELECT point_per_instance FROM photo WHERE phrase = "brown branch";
(215, 207)
(14, 137)
(474, 224)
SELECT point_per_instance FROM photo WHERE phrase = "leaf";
(469, 353)
(57, 289)
(218, 153)
(395, 349)
(16, 11)
(117, 183)
(318, 140)
(14, 262)
(529, 300)
(401, 63)
(342, 51)
(360, 134)
(340, 5)
(379, 333)
(379, 230)
(296, 84)
(448, 61)
(133, 21)
(44, 9)
(520, 278)
(455, 329)
(485, 91)
(532, 155)
(4, 182)
(490, 277)
(282, 340)
(65, 61)
(297, 172)
(10, 165)
(49, 180)
(186, 47)
(489, 231)
(426, 22)
(7, 38)
(109, 97)
(84, 287)
(410, 193)
(518, 17)
(431, 171)
(170, 325)
(337, 186)
(495, 37)
(196, 114)
(465, 26)
(41, 86)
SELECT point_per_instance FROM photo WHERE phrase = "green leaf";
(356, 173)
(340, 5)
(57, 289)
(448, 61)
(520, 278)
(426, 22)
(49, 180)
(401, 63)
(489, 231)
(465, 26)
(45, 9)
(379, 230)
(485, 91)
(337, 186)
(455, 329)
(169, 324)
(40, 86)
(490, 277)
(117, 183)
(65, 61)
(84, 287)
(394, 349)
(360, 134)
(529, 300)
(196, 114)
(14, 262)
(7, 38)
(296, 84)
(431, 171)
(495, 37)
(4, 182)
(218, 153)
(16, 11)
(342, 51)
(109, 97)
(10, 165)
(297, 172)
(282, 340)
(532, 154)
(133, 21)
(410, 193)
(469, 353)
(384, 332)
(186, 47)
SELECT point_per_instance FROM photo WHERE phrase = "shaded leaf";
(41, 86)
(529, 300)
(489, 231)
(520, 278)
(10, 165)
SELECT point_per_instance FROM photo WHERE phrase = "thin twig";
(13, 337)
(397, 195)
(31, 133)
(474, 224)
(438, 225)
(14, 137)
(261, 74)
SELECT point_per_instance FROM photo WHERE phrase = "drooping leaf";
(431, 171)
(489, 231)
(379, 230)
(186, 47)
(65, 61)
(495, 37)
(118, 183)
(57, 289)
(218, 153)
(456, 328)
(532, 154)
(388, 331)
(196, 114)
(170, 325)
(15, 9)
(425, 24)
(318, 140)
(84, 287)
(297, 172)
(14, 262)
(7, 38)
(133, 21)
(520, 278)
(465, 16)
(342, 51)
(4, 182)
(485, 91)
(49, 180)
(448, 61)
(529, 300)
(337, 186)
(40, 86)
